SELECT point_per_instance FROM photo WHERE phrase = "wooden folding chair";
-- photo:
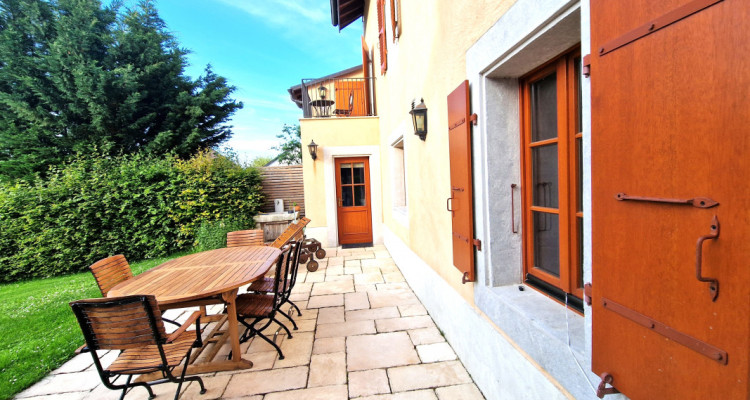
(133, 325)
(250, 237)
(259, 307)
(110, 271)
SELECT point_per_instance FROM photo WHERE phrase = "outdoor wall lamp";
(322, 92)
(419, 118)
(313, 149)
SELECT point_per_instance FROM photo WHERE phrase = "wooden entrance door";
(670, 82)
(353, 200)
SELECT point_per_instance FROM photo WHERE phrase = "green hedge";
(94, 207)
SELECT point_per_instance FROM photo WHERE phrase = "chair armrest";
(194, 317)
(82, 349)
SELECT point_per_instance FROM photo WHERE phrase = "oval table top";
(200, 275)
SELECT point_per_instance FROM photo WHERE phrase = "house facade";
(573, 219)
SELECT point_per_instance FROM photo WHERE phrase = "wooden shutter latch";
(586, 66)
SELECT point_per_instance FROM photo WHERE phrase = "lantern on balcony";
(419, 118)
(322, 92)
(313, 148)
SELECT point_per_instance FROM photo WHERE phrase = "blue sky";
(263, 47)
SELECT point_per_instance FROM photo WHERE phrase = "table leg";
(232, 324)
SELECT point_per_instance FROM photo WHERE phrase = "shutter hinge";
(478, 244)
(473, 118)
(587, 293)
(586, 66)
(603, 390)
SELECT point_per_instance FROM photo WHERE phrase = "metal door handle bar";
(699, 346)
(698, 202)
(448, 204)
(713, 286)
(512, 209)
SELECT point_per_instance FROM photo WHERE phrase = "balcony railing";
(337, 98)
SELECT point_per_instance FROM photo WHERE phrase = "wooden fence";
(283, 182)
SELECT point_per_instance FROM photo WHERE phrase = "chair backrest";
(292, 232)
(294, 268)
(119, 323)
(303, 222)
(250, 237)
(110, 271)
(282, 271)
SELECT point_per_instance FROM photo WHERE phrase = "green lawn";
(39, 331)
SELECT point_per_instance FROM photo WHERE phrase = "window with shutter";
(553, 216)
(460, 204)
(382, 43)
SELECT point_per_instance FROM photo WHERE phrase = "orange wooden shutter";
(366, 75)
(461, 201)
(669, 117)
(381, 37)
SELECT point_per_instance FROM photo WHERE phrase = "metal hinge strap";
(699, 346)
(656, 24)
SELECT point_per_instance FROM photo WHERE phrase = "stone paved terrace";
(363, 334)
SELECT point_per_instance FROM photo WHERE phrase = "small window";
(398, 176)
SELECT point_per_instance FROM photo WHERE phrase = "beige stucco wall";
(427, 61)
(327, 133)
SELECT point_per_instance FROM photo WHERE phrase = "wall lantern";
(419, 117)
(313, 149)
(322, 92)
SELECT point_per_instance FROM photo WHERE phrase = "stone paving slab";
(362, 335)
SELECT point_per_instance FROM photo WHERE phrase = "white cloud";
(284, 12)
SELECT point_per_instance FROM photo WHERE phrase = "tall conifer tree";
(79, 77)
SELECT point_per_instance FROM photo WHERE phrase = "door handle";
(448, 204)
(512, 209)
(713, 285)
(339, 201)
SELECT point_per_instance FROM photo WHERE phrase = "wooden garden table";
(203, 278)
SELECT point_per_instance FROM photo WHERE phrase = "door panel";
(353, 200)
(669, 120)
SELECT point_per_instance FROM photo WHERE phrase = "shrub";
(213, 234)
(139, 206)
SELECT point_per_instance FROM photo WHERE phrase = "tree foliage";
(290, 150)
(77, 77)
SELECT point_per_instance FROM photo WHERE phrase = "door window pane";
(546, 243)
(359, 195)
(544, 108)
(359, 172)
(346, 174)
(544, 175)
(346, 196)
